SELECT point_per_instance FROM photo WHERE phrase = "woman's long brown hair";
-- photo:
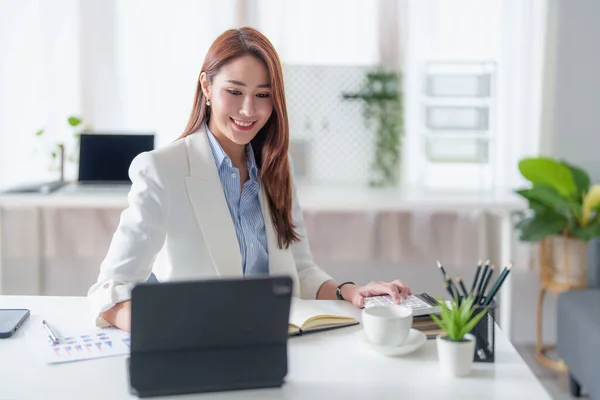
(271, 143)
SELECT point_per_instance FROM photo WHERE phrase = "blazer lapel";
(281, 261)
(210, 206)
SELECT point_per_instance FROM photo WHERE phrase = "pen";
(53, 338)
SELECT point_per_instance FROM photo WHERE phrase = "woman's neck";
(236, 152)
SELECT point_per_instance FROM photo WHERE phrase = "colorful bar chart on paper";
(99, 343)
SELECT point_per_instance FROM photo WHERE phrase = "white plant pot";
(456, 358)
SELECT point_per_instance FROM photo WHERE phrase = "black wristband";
(338, 291)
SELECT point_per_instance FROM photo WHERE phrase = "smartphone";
(11, 320)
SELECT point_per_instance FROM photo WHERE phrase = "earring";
(207, 102)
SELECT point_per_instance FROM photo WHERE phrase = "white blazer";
(177, 207)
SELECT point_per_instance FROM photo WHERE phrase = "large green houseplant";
(563, 214)
(561, 201)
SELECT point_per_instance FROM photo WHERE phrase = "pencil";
(483, 274)
(441, 267)
(462, 286)
(485, 284)
(496, 287)
(449, 289)
(476, 277)
(451, 284)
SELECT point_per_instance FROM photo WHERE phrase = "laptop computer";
(104, 158)
(206, 336)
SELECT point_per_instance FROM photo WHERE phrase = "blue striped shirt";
(244, 208)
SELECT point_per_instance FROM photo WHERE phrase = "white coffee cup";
(387, 326)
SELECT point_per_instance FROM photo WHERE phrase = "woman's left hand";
(396, 289)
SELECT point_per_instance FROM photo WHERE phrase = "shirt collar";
(251, 163)
(218, 152)
(220, 156)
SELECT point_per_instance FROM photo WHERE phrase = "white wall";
(316, 32)
(102, 94)
(577, 85)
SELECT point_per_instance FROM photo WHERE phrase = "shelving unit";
(458, 125)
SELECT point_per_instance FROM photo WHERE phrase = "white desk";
(327, 365)
(321, 199)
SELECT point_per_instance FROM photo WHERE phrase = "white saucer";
(415, 340)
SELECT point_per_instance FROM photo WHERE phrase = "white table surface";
(326, 365)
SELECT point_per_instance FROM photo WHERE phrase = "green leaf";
(465, 309)
(438, 321)
(381, 98)
(537, 206)
(471, 324)
(542, 225)
(74, 121)
(581, 178)
(444, 311)
(54, 154)
(547, 171)
(595, 215)
(587, 233)
(457, 320)
(39, 133)
(453, 333)
(523, 220)
(547, 198)
(546, 195)
(534, 204)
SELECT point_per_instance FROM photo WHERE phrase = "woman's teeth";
(245, 124)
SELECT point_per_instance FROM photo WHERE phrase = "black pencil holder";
(484, 333)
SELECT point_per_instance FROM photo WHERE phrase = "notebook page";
(302, 311)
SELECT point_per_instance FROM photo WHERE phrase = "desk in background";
(326, 365)
(353, 224)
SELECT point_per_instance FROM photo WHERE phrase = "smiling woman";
(246, 105)
(225, 184)
(241, 79)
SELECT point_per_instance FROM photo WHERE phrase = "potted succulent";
(563, 214)
(456, 347)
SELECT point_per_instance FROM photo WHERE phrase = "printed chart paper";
(89, 345)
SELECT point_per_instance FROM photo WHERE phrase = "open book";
(306, 316)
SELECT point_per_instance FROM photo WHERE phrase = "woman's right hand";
(119, 315)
